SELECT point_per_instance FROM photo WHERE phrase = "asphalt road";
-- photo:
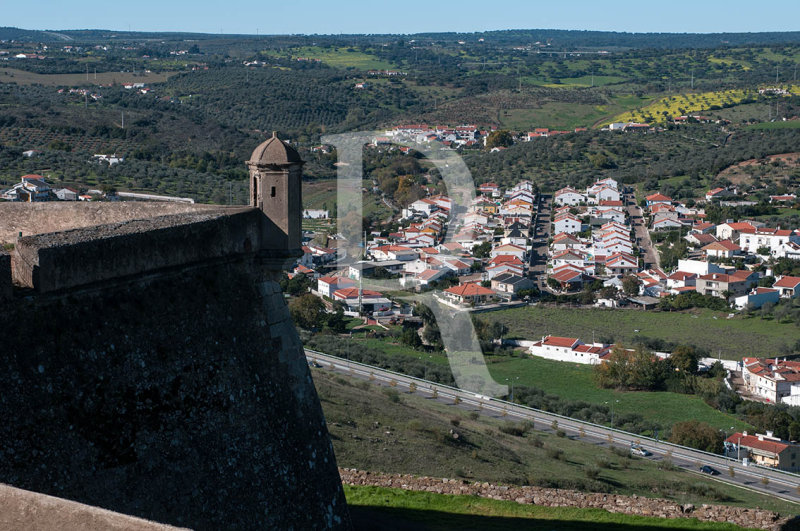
(636, 216)
(780, 484)
(541, 233)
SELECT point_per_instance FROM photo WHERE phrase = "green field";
(728, 338)
(567, 116)
(372, 507)
(789, 124)
(21, 77)
(342, 58)
(574, 382)
(587, 81)
(374, 428)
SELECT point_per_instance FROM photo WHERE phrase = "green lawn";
(574, 382)
(730, 338)
(374, 506)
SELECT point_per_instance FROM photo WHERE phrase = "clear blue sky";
(410, 16)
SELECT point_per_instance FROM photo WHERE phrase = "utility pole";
(87, 71)
(123, 119)
(776, 74)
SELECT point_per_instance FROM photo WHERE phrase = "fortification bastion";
(150, 365)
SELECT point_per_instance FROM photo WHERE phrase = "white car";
(638, 450)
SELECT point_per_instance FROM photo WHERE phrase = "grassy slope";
(731, 338)
(374, 507)
(371, 431)
(574, 382)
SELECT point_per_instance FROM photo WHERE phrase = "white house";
(604, 193)
(568, 196)
(508, 250)
(569, 349)
(751, 240)
(568, 223)
(315, 214)
(770, 379)
(621, 264)
(699, 267)
(66, 194)
(328, 284)
(789, 287)
(757, 298)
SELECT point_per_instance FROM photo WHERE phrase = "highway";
(780, 484)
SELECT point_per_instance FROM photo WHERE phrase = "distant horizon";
(357, 17)
(454, 32)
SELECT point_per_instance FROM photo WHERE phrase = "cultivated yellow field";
(681, 104)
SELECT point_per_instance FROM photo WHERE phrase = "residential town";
(515, 246)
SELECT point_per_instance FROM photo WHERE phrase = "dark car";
(705, 469)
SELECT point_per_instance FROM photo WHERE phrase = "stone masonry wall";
(86, 256)
(5, 275)
(183, 398)
(58, 216)
(615, 503)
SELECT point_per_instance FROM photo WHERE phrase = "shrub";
(391, 394)
(513, 428)
(555, 453)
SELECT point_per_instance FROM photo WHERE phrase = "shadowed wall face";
(183, 398)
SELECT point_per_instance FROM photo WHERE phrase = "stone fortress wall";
(150, 367)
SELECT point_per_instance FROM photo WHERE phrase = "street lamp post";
(612, 410)
(511, 382)
(739, 448)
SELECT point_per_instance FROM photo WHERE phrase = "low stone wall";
(615, 503)
(23, 510)
(5, 275)
(56, 261)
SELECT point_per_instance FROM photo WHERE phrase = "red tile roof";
(658, 197)
(751, 441)
(352, 293)
(470, 289)
(787, 282)
(555, 341)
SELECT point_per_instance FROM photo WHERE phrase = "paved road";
(541, 233)
(780, 484)
(635, 214)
